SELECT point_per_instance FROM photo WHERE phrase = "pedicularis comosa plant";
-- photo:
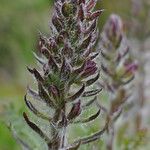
(118, 69)
(67, 60)
(69, 70)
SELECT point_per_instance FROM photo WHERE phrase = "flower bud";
(68, 9)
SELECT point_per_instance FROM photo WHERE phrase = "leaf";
(58, 8)
(23, 144)
(94, 56)
(55, 92)
(117, 116)
(44, 95)
(88, 51)
(81, 13)
(56, 115)
(104, 55)
(118, 100)
(52, 63)
(35, 128)
(128, 81)
(35, 111)
(56, 22)
(126, 51)
(34, 94)
(63, 122)
(36, 74)
(75, 111)
(93, 137)
(91, 81)
(91, 4)
(40, 60)
(76, 95)
(91, 118)
(91, 93)
(94, 15)
(106, 70)
(80, 69)
(85, 43)
(89, 103)
(75, 147)
(92, 27)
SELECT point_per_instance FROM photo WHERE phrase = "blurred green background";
(20, 21)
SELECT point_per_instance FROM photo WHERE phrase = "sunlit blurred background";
(20, 22)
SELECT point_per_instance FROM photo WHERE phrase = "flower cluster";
(117, 63)
(118, 69)
(68, 62)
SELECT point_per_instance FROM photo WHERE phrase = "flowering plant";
(118, 70)
(67, 61)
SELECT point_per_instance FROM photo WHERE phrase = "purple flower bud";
(94, 15)
(68, 9)
(75, 111)
(131, 67)
(54, 91)
(90, 69)
(114, 28)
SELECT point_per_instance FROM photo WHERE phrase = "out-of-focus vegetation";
(20, 21)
